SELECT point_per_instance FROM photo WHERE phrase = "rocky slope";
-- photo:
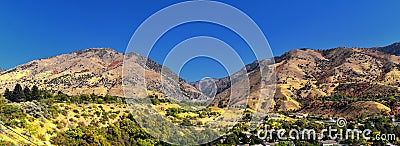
(97, 71)
(391, 49)
(358, 72)
(302, 75)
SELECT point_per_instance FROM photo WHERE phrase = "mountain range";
(97, 71)
(302, 76)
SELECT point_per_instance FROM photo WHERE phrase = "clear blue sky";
(38, 29)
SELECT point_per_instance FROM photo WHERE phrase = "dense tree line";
(351, 99)
(20, 94)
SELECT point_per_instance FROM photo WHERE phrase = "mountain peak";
(104, 54)
(95, 50)
(391, 49)
(396, 43)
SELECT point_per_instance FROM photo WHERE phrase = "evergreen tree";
(35, 93)
(8, 94)
(18, 94)
(27, 93)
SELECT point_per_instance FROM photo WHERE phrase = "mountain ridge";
(97, 71)
(302, 75)
(390, 49)
(305, 74)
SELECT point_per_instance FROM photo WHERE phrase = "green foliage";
(46, 94)
(8, 94)
(351, 99)
(27, 93)
(42, 137)
(284, 143)
(53, 112)
(18, 94)
(173, 111)
(75, 111)
(12, 115)
(97, 113)
(155, 101)
(186, 122)
(123, 132)
(35, 93)
(21, 95)
(61, 97)
(6, 143)
(2, 100)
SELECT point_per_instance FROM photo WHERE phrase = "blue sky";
(38, 29)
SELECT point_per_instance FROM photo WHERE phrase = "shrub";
(12, 115)
(64, 112)
(97, 113)
(42, 137)
(186, 122)
(75, 111)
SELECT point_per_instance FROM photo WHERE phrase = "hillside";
(357, 72)
(97, 71)
(302, 75)
(391, 49)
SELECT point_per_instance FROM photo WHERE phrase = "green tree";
(61, 97)
(155, 101)
(18, 94)
(8, 94)
(35, 93)
(27, 93)
(85, 97)
(46, 94)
